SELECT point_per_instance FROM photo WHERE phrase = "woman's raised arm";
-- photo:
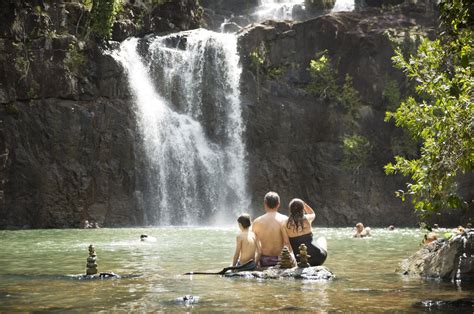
(310, 215)
(284, 234)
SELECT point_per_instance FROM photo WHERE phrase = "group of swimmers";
(260, 244)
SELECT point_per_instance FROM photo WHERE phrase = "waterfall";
(187, 97)
(343, 5)
(277, 10)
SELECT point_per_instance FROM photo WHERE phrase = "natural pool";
(34, 264)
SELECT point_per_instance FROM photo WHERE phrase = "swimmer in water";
(361, 231)
(147, 238)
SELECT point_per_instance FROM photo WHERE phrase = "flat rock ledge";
(448, 260)
(100, 276)
(309, 273)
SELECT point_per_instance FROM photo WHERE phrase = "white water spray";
(187, 99)
(343, 5)
(277, 10)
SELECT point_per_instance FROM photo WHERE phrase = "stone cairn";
(303, 256)
(91, 262)
(285, 260)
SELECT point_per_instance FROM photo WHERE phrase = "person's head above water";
(245, 221)
(296, 218)
(272, 201)
(430, 237)
(359, 227)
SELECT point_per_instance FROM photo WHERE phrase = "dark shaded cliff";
(69, 146)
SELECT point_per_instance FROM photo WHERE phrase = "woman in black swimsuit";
(297, 230)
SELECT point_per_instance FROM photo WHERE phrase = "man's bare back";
(267, 228)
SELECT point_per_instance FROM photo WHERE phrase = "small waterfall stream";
(343, 5)
(281, 10)
(186, 91)
(278, 10)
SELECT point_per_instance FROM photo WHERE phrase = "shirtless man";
(267, 228)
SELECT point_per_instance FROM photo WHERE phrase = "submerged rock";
(464, 304)
(100, 276)
(449, 260)
(309, 273)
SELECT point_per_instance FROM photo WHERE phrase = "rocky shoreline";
(448, 260)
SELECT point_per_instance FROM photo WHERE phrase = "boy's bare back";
(248, 246)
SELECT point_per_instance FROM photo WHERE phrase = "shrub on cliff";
(102, 17)
(441, 115)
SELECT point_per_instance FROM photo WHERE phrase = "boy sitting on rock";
(246, 248)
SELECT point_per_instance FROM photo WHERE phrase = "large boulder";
(448, 260)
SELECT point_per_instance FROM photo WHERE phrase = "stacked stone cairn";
(91, 262)
(285, 260)
(303, 256)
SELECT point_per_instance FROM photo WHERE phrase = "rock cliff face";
(295, 139)
(69, 145)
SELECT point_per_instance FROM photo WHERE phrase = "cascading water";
(277, 10)
(343, 5)
(186, 90)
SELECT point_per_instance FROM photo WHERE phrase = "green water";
(34, 265)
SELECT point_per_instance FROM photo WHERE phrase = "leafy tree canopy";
(441, 114)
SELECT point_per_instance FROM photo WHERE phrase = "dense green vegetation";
(325, 83)
(357, 149)
(102, 17)
(441, 114)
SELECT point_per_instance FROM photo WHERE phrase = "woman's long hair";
(296, 218)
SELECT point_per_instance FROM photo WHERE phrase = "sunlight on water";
(35, 265)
